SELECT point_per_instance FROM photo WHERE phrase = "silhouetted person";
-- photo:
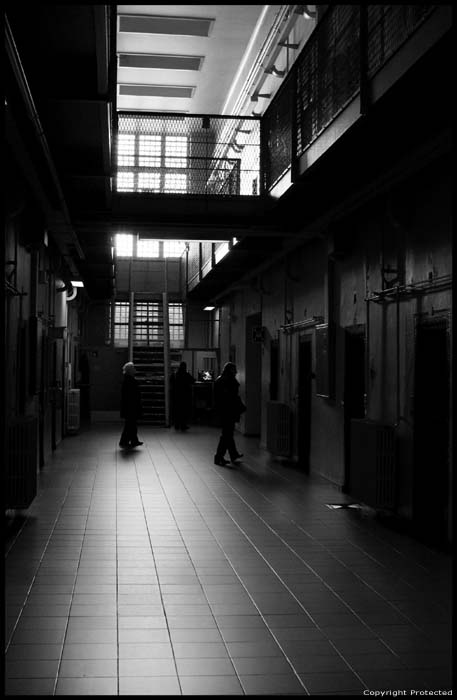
(229, 408)
(131, 408)
(182, 396)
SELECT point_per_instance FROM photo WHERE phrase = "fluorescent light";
(77, 283)
(209, 308)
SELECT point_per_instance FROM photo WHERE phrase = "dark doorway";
(54, 397)
(354, 390)
(274, 369)
(431, 432)
(304, 402)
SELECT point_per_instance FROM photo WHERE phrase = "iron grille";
(176, 154)
(388, 27)
(277, 133)
(328, 72)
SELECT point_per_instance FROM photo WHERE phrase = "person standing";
(131, 408)
(182, 396)
(229, 408)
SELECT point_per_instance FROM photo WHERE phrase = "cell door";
(431, 432)
(304, 402)
(354, 390)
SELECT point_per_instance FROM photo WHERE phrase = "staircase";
(149, 360)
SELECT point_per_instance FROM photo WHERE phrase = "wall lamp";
(306, 12)
(274, 71)
(255, 96)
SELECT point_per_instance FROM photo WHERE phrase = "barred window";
(175, 151)
(126, 150)
(121, 323)
(147, 248)
(125, 182)
(173, 249)
(175, 182)
(123, 244)
(148, 182)
(176, 325)
(150, 151)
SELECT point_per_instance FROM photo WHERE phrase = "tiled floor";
(154, 572)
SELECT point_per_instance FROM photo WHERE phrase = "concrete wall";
(408, 230)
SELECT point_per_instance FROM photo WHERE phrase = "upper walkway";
(154, 572)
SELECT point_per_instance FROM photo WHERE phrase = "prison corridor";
(155, 572)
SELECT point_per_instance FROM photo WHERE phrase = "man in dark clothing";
(131, 408)
(229, 408)
(182, 396)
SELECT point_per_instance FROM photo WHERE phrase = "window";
(151, 163)
(125, 182)
(175, 151)
(173, 249)
(124, 245)
(121, 323)
(147, 248)
(175, 182)
(176, 325)
(221, 251)
(126, 147)
(148, 182)
(150, 150)
(148, 323)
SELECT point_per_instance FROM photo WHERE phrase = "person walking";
(131, 408)
(182, 396)
(229, 408)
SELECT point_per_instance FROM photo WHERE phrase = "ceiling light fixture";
(209, 308)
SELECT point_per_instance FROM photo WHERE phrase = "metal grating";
(170, 153)
(277, 133)
(388, 27)
(328, 72)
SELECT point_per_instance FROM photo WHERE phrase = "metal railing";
(191, 155)
(348, 46)
(229, 156)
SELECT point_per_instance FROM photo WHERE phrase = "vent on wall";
(153, 24)
(159, 61)
(156, 90)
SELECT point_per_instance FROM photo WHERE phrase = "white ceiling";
(235, 36)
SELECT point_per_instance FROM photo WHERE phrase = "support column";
(166, 357)
(131, 310)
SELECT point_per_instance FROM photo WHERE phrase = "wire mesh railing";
(227, 156)
(328, 72)
(176, 154)
(389, 26)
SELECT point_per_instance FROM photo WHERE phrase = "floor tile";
(163, 565)
(158, 685)
(210, 685)
(86, 686)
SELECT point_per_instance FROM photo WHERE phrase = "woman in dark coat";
(131, 408)
(229, 408)
(182, 396)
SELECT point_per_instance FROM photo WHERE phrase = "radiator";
(21, 462)
(372, 472)
(73, 411)
(278, 428)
